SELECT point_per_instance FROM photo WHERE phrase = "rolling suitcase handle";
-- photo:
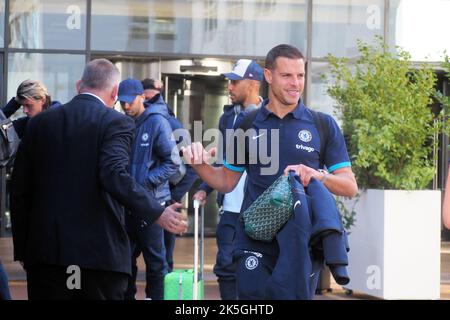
(198, 272)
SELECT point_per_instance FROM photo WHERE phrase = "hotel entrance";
(196, 92)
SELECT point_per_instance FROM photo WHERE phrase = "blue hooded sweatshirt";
(154, 159)
(179, 189)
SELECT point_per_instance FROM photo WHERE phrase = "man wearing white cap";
(243, 88)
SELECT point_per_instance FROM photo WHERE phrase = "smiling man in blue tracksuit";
(284, 129)
(243, 89)
(153, 162)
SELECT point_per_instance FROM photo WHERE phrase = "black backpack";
(319, 121)
(9, 141)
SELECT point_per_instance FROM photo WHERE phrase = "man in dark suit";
(69, 188)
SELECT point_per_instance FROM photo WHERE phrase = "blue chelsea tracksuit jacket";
(153, 158)
(312, 235)
(178, 190)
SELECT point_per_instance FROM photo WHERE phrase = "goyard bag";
(270, 211)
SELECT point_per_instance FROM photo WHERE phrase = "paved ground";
(184, 258)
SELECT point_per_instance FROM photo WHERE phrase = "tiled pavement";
(184, 258)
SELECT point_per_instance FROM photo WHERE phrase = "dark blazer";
(69, 185)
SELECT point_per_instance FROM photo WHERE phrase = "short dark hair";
(282, 50)
(148, 83)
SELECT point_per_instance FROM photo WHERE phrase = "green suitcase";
(180, 284)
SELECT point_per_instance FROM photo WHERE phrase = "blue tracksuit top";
(312, 235)
(179, 190)
(154, 158)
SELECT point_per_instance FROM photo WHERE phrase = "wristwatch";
(324, 173)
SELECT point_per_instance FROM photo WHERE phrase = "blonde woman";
(34, 97)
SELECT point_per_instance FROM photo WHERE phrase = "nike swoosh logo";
(256, 137)
(298, 202)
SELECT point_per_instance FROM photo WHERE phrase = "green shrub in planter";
(383, 102)
(445, 100)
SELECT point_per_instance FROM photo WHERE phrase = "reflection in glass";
(49, 24)
(1, 72)
(236, 27)
(59, 72)
(319, 99)
(338, 24)
(2, 23)
(420, 29)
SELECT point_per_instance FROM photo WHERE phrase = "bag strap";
(322, 127)
(248, 119)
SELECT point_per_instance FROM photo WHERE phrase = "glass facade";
(419, 28)
(1, 73)
(237, 27)
(59, 72)
(2, 23)
(187, 44)
(225, 29)
(337, 24)
(49, 24)
(317, 90)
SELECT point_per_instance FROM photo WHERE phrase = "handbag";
(270, 211)
(9, 141)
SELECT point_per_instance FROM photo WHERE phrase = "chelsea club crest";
(305, 136)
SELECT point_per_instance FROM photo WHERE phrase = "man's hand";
(200, 196)
(341, 182)
(172, 220)
(195, 154)
(305, 173)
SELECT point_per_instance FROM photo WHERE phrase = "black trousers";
(55, 283)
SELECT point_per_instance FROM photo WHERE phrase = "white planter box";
(395, 244)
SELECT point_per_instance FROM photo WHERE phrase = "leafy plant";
(445, 100)
(383, 102)
(346, 207)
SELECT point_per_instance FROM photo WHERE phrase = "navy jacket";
(153, 161)
(177, 190)
(313, 234)
(21, 123)
(70, 184)
(328, 237)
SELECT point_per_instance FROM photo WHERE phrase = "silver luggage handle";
(198, 246)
